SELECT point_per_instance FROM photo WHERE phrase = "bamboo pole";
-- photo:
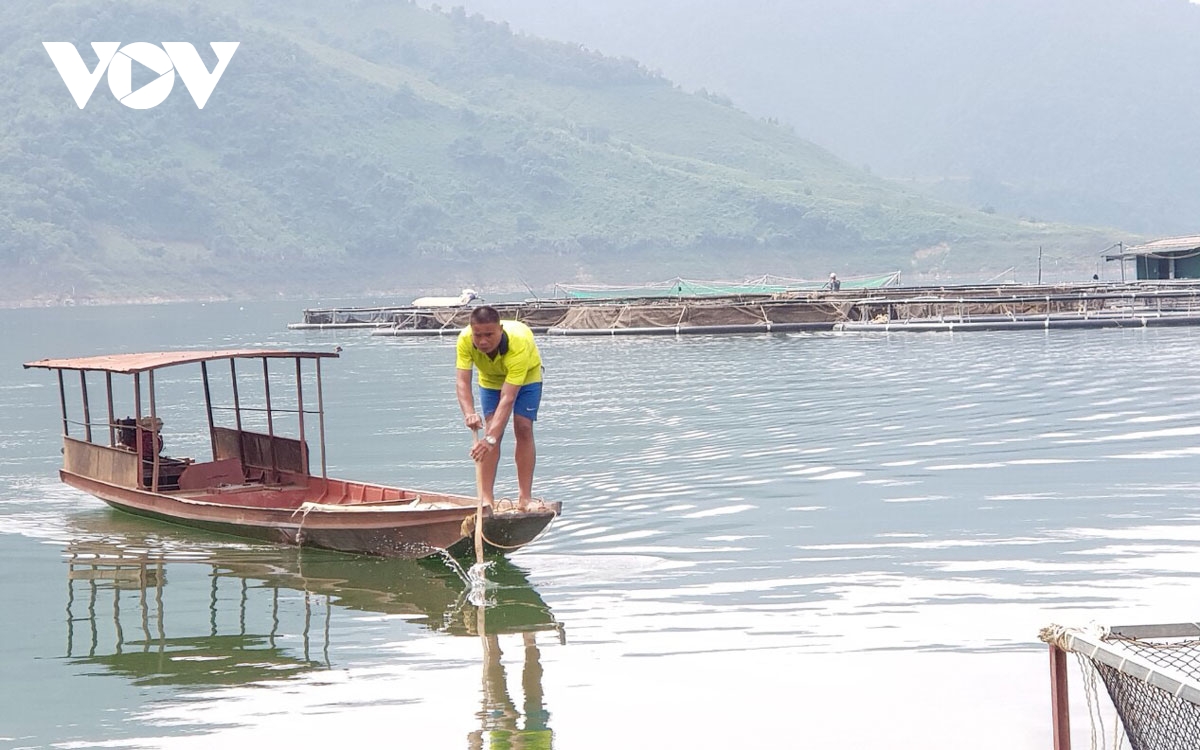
(478, 508)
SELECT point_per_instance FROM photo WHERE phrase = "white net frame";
(1151, 673)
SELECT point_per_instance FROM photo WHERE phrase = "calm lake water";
(775, 541)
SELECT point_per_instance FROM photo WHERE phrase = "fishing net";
(697, 314)
(1152, 674)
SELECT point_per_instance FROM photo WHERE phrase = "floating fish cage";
(759, 309)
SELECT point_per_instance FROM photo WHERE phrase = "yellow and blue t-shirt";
(517, 361)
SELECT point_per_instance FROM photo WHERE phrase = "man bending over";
(510, 385)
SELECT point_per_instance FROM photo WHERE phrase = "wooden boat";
(259, 484)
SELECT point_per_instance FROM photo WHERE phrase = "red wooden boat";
(259, 484)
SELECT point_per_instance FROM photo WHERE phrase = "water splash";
(453, 564)
(477, 584)
(475, 577)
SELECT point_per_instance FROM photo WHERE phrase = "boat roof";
(141, 362)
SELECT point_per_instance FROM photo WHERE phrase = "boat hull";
(383, 531)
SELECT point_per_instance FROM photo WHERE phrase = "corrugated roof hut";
(1168, 258)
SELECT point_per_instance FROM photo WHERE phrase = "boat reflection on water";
(264, 613)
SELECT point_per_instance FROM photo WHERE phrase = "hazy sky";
(1037, 109)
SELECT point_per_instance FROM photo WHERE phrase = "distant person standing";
(510, 385)
(833, 284)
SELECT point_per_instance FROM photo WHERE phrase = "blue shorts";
(529, 398)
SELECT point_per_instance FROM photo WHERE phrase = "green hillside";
(371, 145)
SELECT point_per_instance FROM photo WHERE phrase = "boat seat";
(225, 489)
(170, 470)
(212, 474)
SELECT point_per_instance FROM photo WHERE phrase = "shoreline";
(24, 303)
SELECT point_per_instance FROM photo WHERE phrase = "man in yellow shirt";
(510, 385)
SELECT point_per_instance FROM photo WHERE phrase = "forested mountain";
(373, 145)
(1068, 110)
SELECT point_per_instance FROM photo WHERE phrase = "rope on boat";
(1057, 634)
(303, 510)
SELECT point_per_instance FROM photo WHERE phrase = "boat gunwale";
(384, 508)
(271, 517)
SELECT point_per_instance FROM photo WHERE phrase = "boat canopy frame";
(136, 364)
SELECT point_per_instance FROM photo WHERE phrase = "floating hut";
(1161, 260)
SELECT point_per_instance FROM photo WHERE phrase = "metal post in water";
(237, 413)
(144, 606)
(307, 621)
(270, 418)
(91, 609)
(212, 433)
(212, 604)
(70, 601)
(62, 400)
(153, 434)
(328, 613)
(159, 580)
(87, 412)
(1060, 705)
(120, 631)
(300, 415)
(274, 616)
(112, 418)
(321, 417)
(137, 428)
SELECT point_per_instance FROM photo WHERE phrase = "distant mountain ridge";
(378, 145)
(1070, 110)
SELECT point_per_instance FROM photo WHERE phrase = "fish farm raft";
(864, 304)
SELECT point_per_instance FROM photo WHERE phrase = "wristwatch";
(489, 440)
